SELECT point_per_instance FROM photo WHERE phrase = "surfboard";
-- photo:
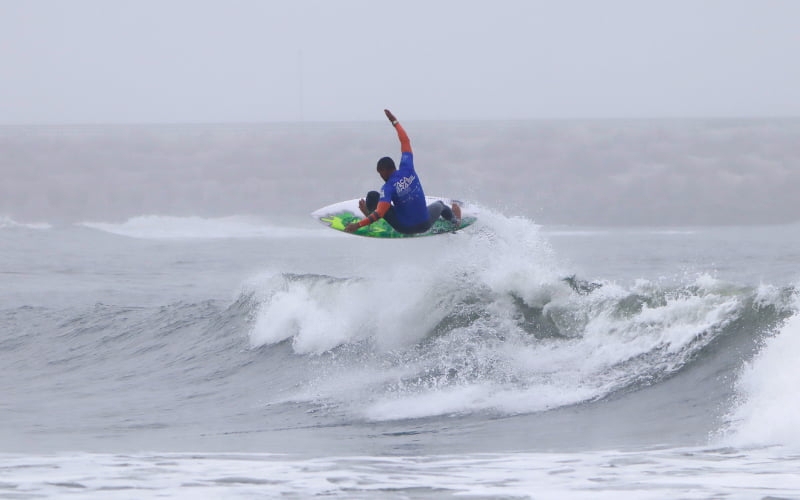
(339, 215)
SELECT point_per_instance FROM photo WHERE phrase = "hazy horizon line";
(406, 120)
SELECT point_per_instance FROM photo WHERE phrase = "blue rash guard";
(404, 191)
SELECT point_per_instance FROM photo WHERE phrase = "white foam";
(176, 228)
(770, 395)
(604, 474)
(318, 314)
(400, 300)
(449, 400)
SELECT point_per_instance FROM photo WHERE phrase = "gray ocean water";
(169, 329)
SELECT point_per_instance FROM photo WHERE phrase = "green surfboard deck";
(339, 215)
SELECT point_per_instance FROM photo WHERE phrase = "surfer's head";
(386, 167)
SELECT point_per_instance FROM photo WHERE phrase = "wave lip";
(163, 227)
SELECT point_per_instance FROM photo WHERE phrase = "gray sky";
(103, 61)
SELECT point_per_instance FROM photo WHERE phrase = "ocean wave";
(500, 327)
(480, 351)
(9, 223)
(160, 227)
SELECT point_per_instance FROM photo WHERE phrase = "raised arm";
(383, 206)
(405, 142)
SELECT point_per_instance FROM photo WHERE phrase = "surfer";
(401, 201)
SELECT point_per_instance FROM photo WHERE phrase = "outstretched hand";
(390, 116)
(352, 227)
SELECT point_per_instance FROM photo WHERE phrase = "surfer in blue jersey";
(401, 201)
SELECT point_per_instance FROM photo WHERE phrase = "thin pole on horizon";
(300, 84)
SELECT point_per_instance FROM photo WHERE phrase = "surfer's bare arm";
(405, 142)
(380, 211)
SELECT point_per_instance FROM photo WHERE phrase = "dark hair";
(386, 163)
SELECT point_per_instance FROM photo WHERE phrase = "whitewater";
(246, 355)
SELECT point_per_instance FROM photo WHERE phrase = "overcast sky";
(102, 61)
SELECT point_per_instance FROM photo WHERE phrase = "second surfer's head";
(386, 167)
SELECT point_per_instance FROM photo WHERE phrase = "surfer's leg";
(373, 197)
(439, 209)
(436, 210)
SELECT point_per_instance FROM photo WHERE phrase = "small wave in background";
(9, 223)
(169, 227)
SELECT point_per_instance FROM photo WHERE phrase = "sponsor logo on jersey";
(403, 185)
